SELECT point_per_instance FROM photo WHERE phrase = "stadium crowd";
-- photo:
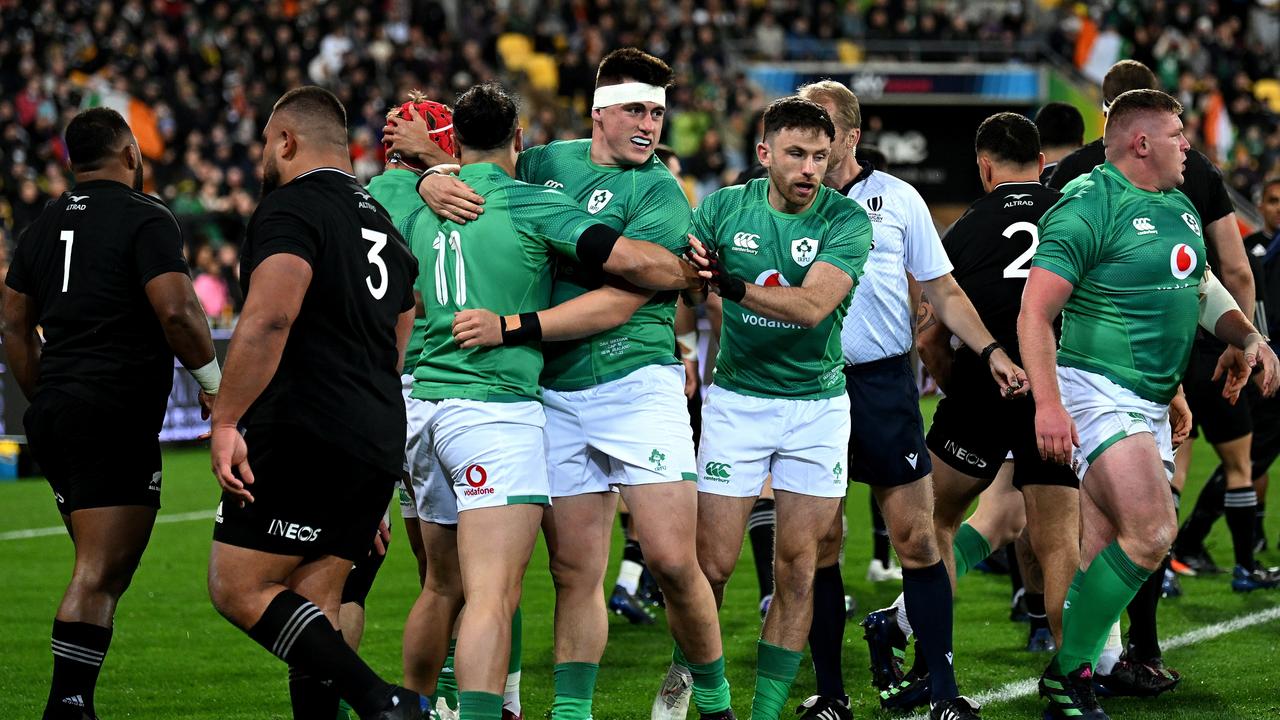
(198, 77)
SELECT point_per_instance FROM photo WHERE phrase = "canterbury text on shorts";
(306, 503)
(493, 453)
(802, 444)
(629, 431)
(886, 444)
(974, 435)
(93, 458)
(1105, 413)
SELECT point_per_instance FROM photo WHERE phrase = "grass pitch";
(173, 657)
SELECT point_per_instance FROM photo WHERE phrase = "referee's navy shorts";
(886, 439)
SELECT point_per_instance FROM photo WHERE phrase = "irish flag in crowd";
(139, 115)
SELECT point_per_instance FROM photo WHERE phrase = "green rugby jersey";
(769, 358)
(1136, 258)
(397, 192)
(643, 202)
(500, 262)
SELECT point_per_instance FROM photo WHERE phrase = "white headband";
(628, 93)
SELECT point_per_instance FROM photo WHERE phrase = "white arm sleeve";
(925, 257)
(1215, 302)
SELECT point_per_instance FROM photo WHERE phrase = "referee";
(101, 272)
(314, 363)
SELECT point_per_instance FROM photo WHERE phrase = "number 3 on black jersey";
(1021, 265)
(379, 240)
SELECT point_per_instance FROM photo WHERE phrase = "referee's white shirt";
(879, 321)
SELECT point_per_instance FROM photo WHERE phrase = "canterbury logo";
(1143, 226)
(746, 241)
(719, 470)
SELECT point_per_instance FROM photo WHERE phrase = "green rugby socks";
(575, 682)
(1094, 603)
(776, 669)
(970, 549)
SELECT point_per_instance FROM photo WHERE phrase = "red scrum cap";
(439, 119)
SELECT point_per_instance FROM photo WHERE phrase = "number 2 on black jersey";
(1021, 265)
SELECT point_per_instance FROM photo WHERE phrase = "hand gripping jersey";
(643, 202)
(499, 262)
(1136, 259)
(397, 192)
(764, 357)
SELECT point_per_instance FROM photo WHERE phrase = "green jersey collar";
(481, 169)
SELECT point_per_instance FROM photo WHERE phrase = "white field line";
(1023, 688)
(60, 530)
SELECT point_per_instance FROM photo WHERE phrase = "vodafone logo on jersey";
(772, 278)
(1182, 261)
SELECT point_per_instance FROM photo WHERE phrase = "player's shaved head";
(796, 113)
(485, 118)
(313, 113)
(1124, 76)
(633, 64)
(95, 135)
(847, 110)
(1008, 137)
(1131, 108)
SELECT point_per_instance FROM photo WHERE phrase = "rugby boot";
(1256, 579)
(1170, 587)
(1199, 561)
(1071, 695)
(957, 708)
(887, 646)
(911, 692)
(1138, 678)
(818, 707)
(629, 606)
(672, 701)
(726, 714)
(1041, 640)
(404, 705)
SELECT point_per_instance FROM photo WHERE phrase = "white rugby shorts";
(492, 453)
(803, 444)
(630, 431)
(1104, 413)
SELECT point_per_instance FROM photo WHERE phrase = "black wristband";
(529, 329)
(986, 351)
(732, 288)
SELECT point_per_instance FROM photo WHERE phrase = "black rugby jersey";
(337, 376)
(85, 263)
(991, 247)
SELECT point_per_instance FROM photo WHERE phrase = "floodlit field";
(174, 657)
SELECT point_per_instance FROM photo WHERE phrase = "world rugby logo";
(1182, 261)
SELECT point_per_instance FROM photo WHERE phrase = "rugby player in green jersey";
(1121, 256)
(789, 252)
(486, 424)
(616, 410)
